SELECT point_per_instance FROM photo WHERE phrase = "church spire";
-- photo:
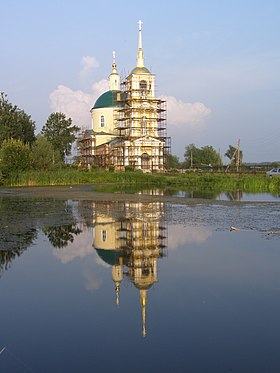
(114, 78)
(140, 54)
(117, 276)
(143, 301)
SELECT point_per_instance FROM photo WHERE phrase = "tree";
(172, 161)
(15, 123)
(232, 154)
(43, 155)
(60, 133)
(204, 156)
(14, 157)
(61, 236)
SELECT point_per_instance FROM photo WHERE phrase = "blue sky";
(216, 63)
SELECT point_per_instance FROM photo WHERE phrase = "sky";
(217, 64)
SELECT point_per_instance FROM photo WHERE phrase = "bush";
(14, 157)
(95, 167)
(43, 155)
(128, 168)
(1, 178)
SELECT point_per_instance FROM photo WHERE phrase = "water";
(230, 196)
(202, 194)
(90, 286)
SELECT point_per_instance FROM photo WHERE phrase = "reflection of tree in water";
(209, 194)
(60, 236)
(7, 256)
(21, 218)
(234, 196)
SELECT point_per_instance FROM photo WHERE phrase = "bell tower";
(114, 77)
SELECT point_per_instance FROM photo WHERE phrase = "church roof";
(109, 99)
(140, 70)
(110, 257)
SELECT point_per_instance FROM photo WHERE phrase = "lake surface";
(193, 194)
(103, 286)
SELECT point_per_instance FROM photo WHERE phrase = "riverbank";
(88, 192)
(218, 182)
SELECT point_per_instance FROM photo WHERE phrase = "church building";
(128, 123)
(131, 237)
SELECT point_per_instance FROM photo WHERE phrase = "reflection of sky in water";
(215, 307)
(230, 196)
(259, 197)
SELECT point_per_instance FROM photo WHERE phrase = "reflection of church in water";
(131, 237)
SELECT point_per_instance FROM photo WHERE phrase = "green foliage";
(204, 181)
(231, 154)
(14, 157)
(43, 155)
(15, 123)
(60, 132)
(61, 236)
(2, 179)
(172, 161)
(94, 167)
(206, 155)
(128, 168)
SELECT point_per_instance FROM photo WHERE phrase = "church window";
(143, 84)
(145, 229)
(145, 161)
(144, 126)
(145, 271)
(104, 235)
(102, 121)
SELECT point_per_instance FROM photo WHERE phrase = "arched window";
(102, 121)
(145, 162)
(143, 85)
(104, 235)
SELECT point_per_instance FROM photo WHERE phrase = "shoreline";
(86, 192)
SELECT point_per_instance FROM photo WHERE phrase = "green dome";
(110, 257)
(108, 99)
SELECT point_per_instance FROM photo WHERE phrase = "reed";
(217, 182)
(73, 176)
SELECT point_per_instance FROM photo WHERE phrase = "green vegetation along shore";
(218, 182)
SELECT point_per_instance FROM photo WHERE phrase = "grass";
(217, 182)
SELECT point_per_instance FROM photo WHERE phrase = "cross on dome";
(140, 54)
(140, 23)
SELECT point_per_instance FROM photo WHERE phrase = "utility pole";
(191, 160)
(238, 156)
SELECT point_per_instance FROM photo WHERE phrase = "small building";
(128, 123)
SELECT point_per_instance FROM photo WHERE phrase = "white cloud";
(91, 281)
(79, 248)
(77, 104)
(100, 87)
(88, 64)
(186, 122)
(185, 114)
(179, 235)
